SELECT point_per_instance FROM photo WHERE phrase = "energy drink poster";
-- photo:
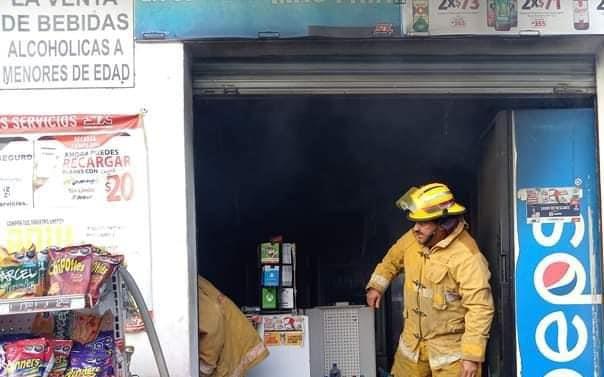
(504, 17)
(193, 19)
(76, 179)
(558, 255)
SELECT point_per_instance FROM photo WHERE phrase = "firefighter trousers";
(405, 367)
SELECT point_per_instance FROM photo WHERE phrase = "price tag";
(450, 16)
(541, 4)
(546, 16)
(459, 5)
(42, 304)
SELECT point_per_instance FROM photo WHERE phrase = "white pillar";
(163, 87)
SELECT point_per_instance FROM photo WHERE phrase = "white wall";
(163, 88)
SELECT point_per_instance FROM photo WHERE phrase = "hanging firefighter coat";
(228, 344)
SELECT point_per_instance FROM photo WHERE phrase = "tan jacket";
(228, 344)
(448, 301)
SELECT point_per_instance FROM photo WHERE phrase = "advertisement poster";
(284, 338)
(273, 339)
(269, 252)
(174, 19)
(283, 323)
(504, 17)
(558, 269)
(283, 330)
(552, 204)
(76, 179)
(16, 157)
(51, 44)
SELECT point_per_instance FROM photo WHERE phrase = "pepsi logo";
(560, 279)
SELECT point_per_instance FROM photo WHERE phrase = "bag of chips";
(103, 266)
(61, 350)
(28, 358)
(20, 274)
(5, 339)
(69, 270)
(86, 327)
(104, 342)
(90, 364)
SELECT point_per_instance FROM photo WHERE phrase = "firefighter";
(228, 343)
(448, 305)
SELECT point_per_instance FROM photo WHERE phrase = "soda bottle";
(580, 15)
(420, 16)
(503, 17)
(491, 13)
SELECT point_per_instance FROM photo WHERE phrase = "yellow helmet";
(429, 202)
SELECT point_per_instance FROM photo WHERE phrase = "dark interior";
(325, 172)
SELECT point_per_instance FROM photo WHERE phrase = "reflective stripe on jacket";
(448, 300)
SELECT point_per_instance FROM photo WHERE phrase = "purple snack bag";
(89, 363)
(103, 343)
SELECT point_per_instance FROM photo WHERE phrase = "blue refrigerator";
(539, 182)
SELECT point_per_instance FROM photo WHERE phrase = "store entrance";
(324, 172)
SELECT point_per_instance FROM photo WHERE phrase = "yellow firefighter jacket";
(447, 296)
(228, 344)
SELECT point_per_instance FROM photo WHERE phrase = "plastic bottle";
(420, 16)
(580, 14)
(503, 20)
(335, 372)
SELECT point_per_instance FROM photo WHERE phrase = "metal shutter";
(504, 75)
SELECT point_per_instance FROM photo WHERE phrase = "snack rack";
(17, 315)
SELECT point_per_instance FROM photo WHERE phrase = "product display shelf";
(118, 292)
(277, 277)
(17, 315)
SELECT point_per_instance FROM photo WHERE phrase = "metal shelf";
(42, 304)
(17, 315)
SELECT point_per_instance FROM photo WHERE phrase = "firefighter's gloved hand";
(373, 298)
(469, 368)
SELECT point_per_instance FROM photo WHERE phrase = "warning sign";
(66, 44)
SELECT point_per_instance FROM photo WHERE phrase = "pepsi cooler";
(538, 223)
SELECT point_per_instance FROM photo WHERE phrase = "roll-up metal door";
(503, 75)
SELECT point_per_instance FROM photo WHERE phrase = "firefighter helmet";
(429, 202)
